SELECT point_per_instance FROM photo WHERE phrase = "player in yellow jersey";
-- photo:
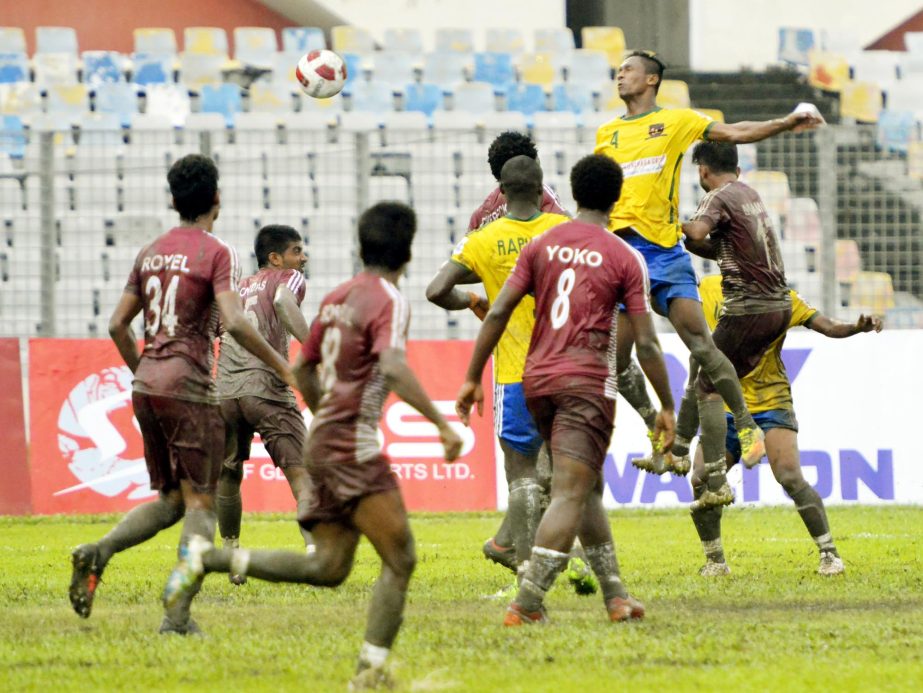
(488, 255)
(649, 143)
(768, 395)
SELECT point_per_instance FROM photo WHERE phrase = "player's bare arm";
(236, 323)
(120, 329)
(308, 382)
(754, 131)
(495, 323)
(442, 292)
(650, 357)
(290, 314)
(697, 230)
(837, 329)
(703, 248)
(402, 381)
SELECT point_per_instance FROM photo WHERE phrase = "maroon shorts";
(338, 488)
(280, 425)
(575, 425)
(744, 339)
(182, 440)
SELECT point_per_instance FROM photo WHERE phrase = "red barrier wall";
(14, 479)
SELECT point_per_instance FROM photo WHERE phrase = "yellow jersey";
(491, 253)
(766, 387)
(650, 148)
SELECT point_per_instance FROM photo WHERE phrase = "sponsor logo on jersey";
(640, 167)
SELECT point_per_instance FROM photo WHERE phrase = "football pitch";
(772, 624)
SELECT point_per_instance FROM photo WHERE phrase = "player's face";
(631, 77)
(703, 178)
(294, 256)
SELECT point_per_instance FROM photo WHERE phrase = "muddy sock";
(542, 570)
(811, 508)
(198, 521)
(708, 526)
(525, 512)
(138, 525)
(504, 535)
(229, 509)
(713, 440)
(605, 565)
(633, 387)
(721, 372)
(385, 610)
(687, 423)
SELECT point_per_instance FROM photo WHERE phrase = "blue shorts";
(513, 423)
(774, 418)
(670, 271)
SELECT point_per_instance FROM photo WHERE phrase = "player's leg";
(707, 520)
(687, 422)
(782, 450)
(228, 503)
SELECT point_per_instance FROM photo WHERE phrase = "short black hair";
(386, 232)
(653, 65)
(275, 238)
(521, 178)
(193, 183)
(505, 146)
(720, 157)
(596, 182)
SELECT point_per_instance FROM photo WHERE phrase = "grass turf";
(772, 624)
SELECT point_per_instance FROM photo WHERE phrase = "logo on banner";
(99, 437)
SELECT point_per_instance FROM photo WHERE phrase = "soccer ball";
(321, 74)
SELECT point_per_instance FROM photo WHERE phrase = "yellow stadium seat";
(610, 39)
(848, 261)
(861, 101)
(713, 113)
(351, 39)
(873, 289)
(673, 93)
(828, 71)
(205, 40)
(915, 160)
(537, 68)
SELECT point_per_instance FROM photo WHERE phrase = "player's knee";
(335, 568)
(404, 561)
(791, 479)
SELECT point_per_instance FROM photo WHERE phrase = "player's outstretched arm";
(651, 359)
(799, 120)
(402, 381)
(703, 248)
(290, 314)
(236, 323)
(442, 292)
(308, 382)
(120, 329)
(837, 329)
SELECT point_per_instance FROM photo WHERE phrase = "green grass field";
(772, 624)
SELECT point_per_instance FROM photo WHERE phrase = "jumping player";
(353, 357)
(769, 396)
(252, 397)
(182, 281)
(649, 143)
(579, 274)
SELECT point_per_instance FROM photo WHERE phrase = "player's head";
(194, 185)
(640, 71)
(507, 145)
(521, 180)
(279, 246)
(596, 183)
(386, 232)
(715, 160)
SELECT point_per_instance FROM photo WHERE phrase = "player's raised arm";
(237, 325)
(805, 117)
(837, 329)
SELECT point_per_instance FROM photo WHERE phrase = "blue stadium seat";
(302, 39)
(353, 65)
(221, 98)
(495, 68)
(576, 98)
(118, 98)
(423, 97)
(151, 69)
(102, 66)
(896, 129)
(372, 97)
(12, 137)
(525, 98)
(795, 44)
(56, 39)
(14, 67)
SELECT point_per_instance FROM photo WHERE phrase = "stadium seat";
(773, 189)
(716, 115)
(221, 98)
(913, 41)
(495, 68)
(505, 41)
(302, 39)
(12, 39)
(351, 39)
(444, 68)
(473, 97)
(54, 68)
(525, 98)
(423, 97)
(407, 40)
(205, 40)
(896, 129)
(860, 101)
(795, 45)
(873, 289)
(393, 67)
(205, 122)
(151, 69)
(255, 45)
(155, 41)
(332, 105)
(589, 68)
(14, 67)
(915, 160)
(20, 98)
(197, 69)
(454, 40)
(56, 39)
(575, 98)
(353, 63)
(102, 66)
(906, 94)
(802, 217)
(608, 39)
(827, 71)
(557, 40)
(673, 93)
(258, 128)
(610, 100)
(68, 98)
(118, 98)
(848, 262)
(371, 97)
(879, 67)
(537, 68)
(168, 100)
(12, 137)
(100, 129)
(271, 98)
(283, 69)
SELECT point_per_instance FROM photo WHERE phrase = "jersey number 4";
(161, 306)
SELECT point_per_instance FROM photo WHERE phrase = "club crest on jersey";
(655, 130)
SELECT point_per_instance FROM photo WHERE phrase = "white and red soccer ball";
(321, 74)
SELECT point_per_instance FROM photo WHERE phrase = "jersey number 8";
(560, 309)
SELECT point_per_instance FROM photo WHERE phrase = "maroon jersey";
(177, 278)
(240, 373)
(752, 274)
(356, 322)
(494, 207)
(580, 274)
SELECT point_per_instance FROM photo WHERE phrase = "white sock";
(373, 655)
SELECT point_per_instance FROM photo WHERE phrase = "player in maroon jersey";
(352, 359)
(580, 274)
(182, 281)
(252, 397)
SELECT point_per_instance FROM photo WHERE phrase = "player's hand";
(665, 429)
(805, 117)
(479, 305)
(451, 442)
(469, 395)
(868, 323)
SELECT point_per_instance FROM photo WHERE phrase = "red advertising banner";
(87, 454)
(14, 479)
